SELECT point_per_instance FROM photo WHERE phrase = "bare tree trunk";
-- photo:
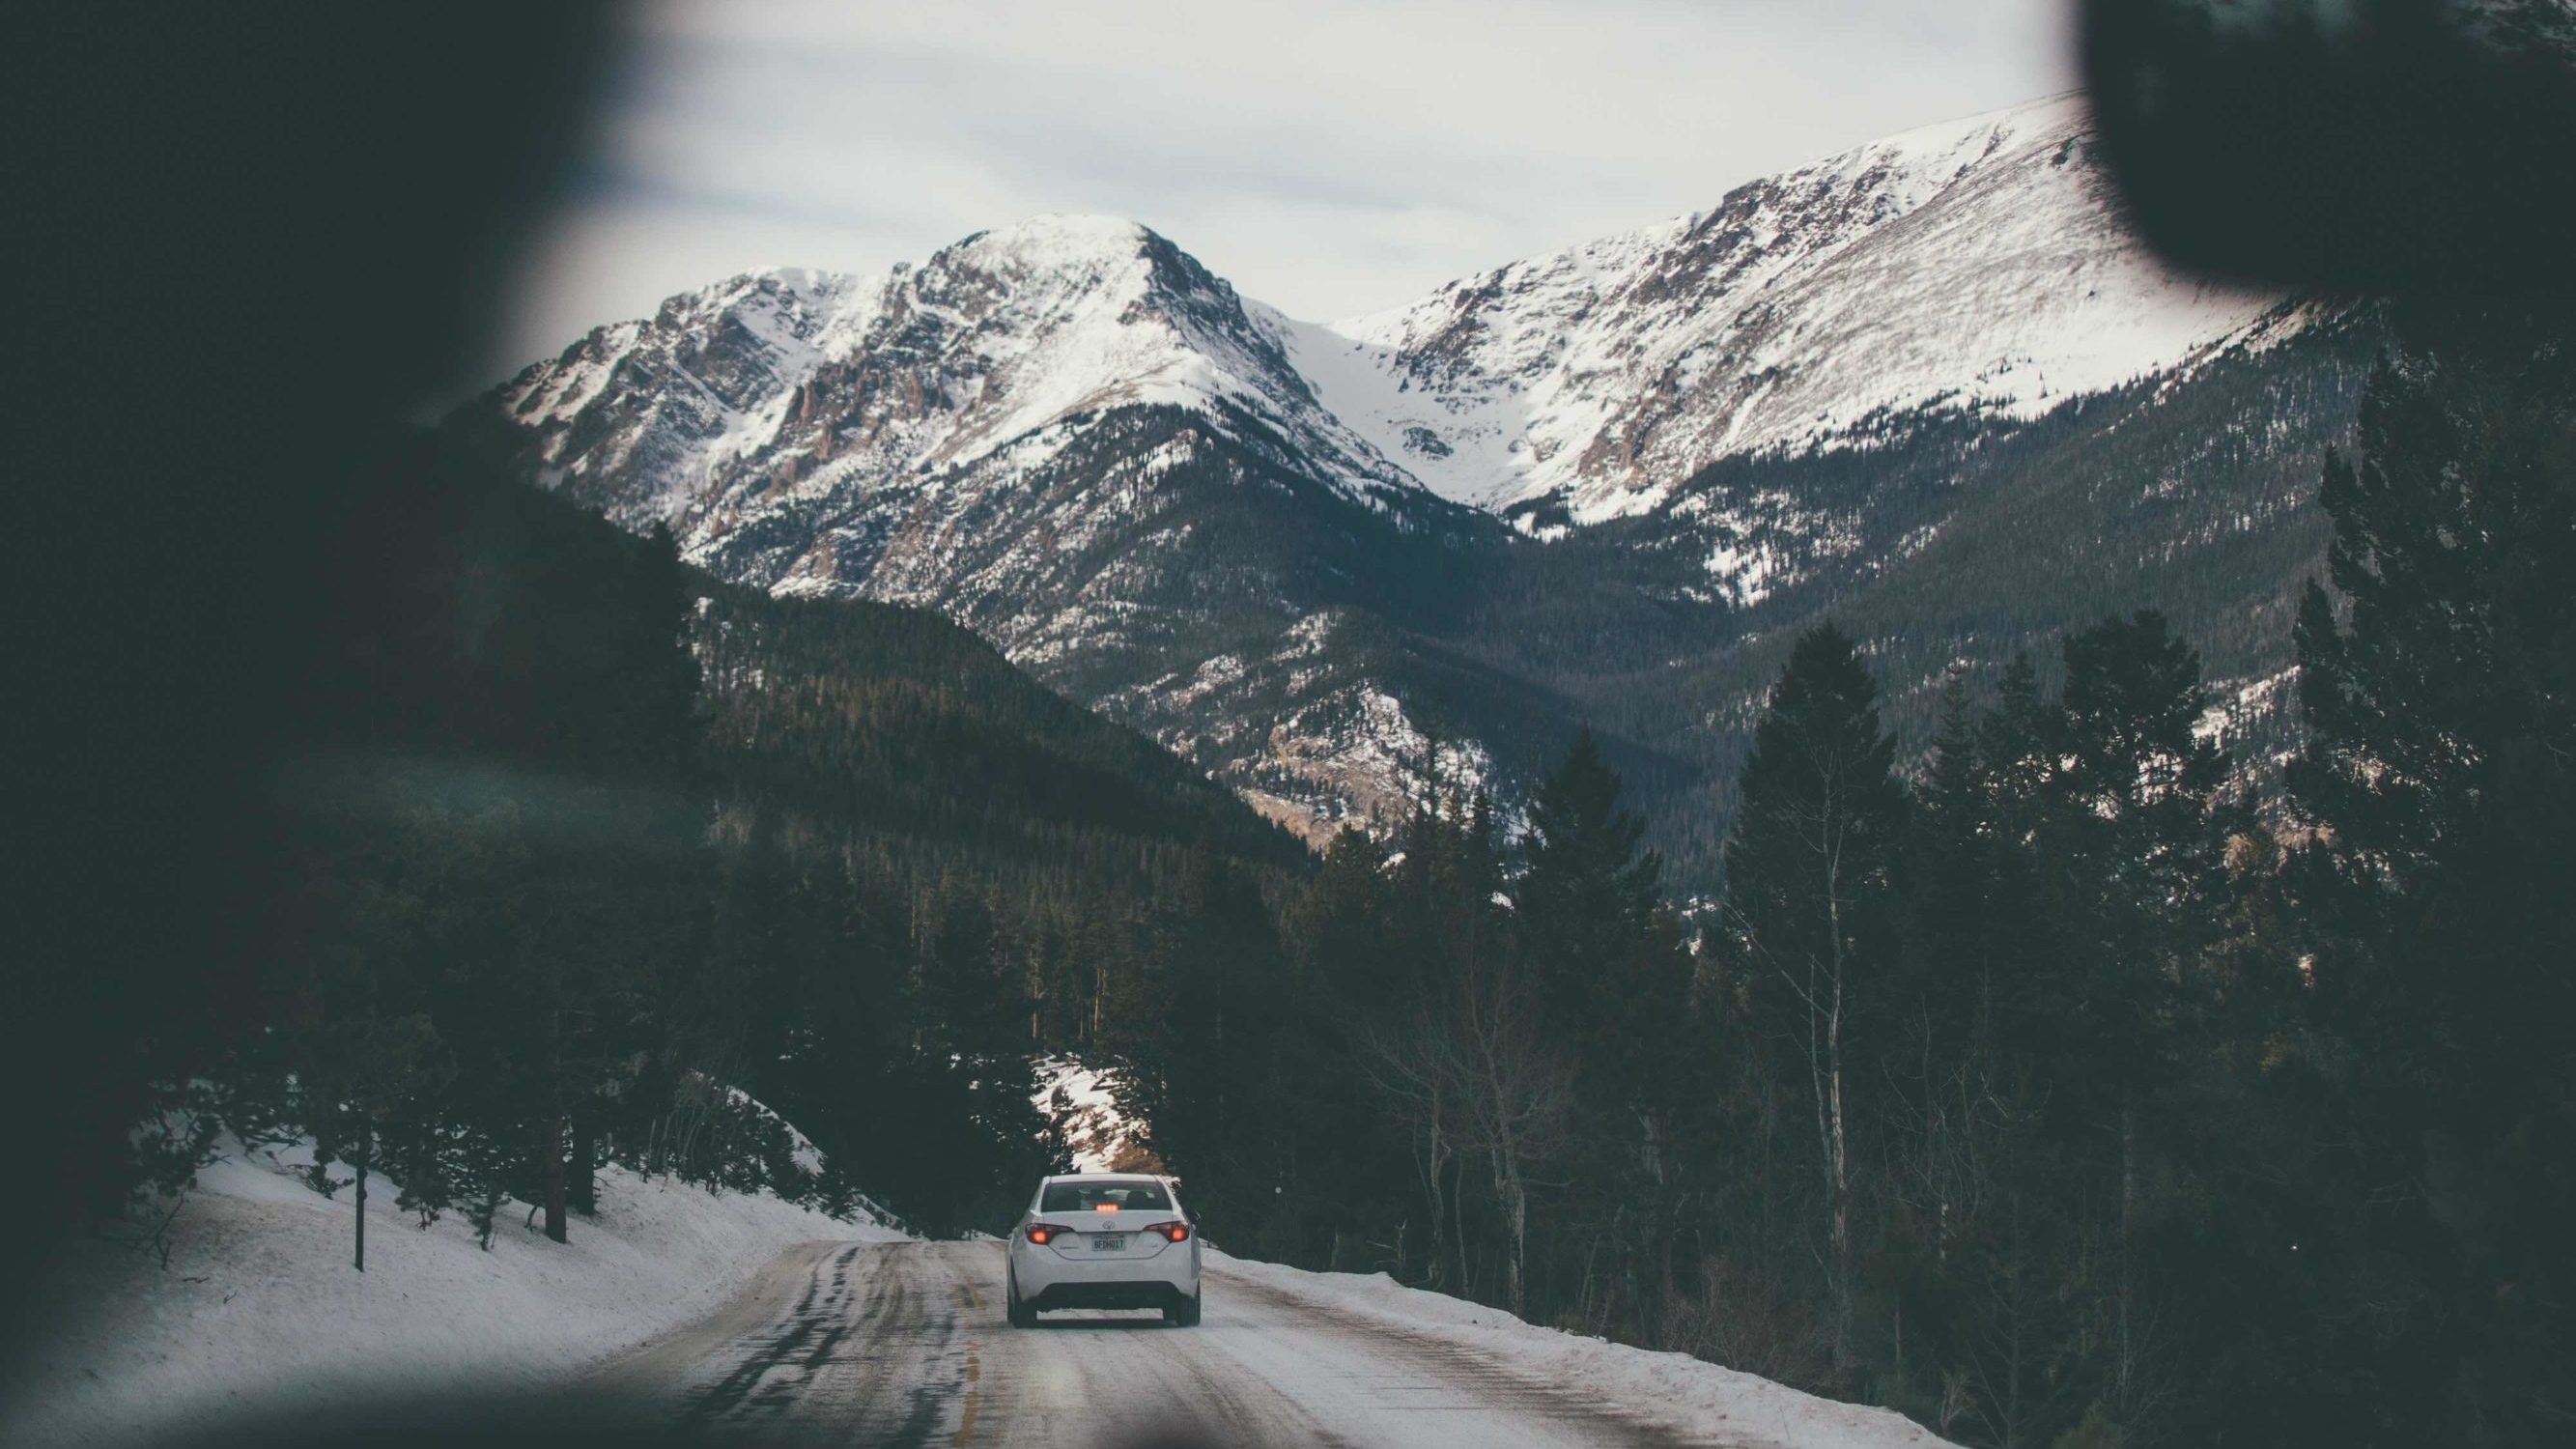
(556, 1226)
(2128, 1221)
(1839, 1156)
(1515, 1197)
(582, 1187)
(1836, 1143)
(2002, 1384)
(2012, 1370)
(366, 1149)
(1477, 1077)
(1458, 1225)
(1435, 1164)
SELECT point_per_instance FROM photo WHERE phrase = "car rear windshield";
(1108, 1194)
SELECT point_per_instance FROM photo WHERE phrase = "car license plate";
(1109, 1242)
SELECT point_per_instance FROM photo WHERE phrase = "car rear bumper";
(1108, 1295)
(1048, 1280)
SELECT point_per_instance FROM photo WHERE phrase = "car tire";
(1020, 1314)
(1185, 1315)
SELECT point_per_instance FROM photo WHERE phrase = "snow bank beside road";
(1696, 1398)
(259, 1308)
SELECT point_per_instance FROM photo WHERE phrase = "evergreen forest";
(2068, 1083)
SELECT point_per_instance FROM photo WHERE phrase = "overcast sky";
(1330, 157)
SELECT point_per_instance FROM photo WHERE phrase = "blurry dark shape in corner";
(2376, 146)
(246, 239)
(403, 1421)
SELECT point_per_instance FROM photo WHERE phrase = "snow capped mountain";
(1330, 563)
(1973, 266)
(642, 415)
(796, 386)
(1976, 266)
(1066, 434)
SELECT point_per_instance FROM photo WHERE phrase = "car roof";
(1102, 1177)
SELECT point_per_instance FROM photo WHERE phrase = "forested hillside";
(575, 848)
(1931, 387)
(2046, 1086)
(895, 725)
(927, 870)
(2051, 1091)
(1955, 544)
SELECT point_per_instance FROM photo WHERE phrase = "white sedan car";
(1104, 1240)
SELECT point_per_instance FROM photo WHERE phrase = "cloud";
(1329, 157)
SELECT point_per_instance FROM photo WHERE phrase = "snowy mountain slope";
(839, 393)
(1083, 1102)
(259, 1311)
(1976, 265)
(1067, 435)
(1327, 563)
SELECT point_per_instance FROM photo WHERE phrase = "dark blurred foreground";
(400, 1421)
(248, 239)
(254, 237)
(2416, 147)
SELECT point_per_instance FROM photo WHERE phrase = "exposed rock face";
(1333, 563)
(1977, 266)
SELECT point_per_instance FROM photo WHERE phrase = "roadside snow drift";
(1697, 1400)
(258, 1308)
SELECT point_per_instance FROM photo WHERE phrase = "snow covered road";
(742, 1316)
(905, 1344)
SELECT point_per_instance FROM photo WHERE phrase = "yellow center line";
(974, 1399)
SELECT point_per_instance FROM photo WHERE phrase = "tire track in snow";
(905, 1345)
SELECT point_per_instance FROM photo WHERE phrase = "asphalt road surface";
(904, 1344)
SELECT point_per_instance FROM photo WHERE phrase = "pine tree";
(1971, 901)
(1810, 906)
(1617, 984)
(1348, 975)
(1588, 889)
(2441, 773)
(2134, 852)
(2128, 846)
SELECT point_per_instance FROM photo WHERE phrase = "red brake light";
(1040, 1232)
(1177, 1232)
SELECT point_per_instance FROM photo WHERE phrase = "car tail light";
(1039, 1233)
(1177, 1232)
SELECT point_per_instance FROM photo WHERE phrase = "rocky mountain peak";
(1328, 563)
(1974, 265)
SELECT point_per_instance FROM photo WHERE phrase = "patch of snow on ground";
(1697, 1398)
(2237, 707)
(259, 1310)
